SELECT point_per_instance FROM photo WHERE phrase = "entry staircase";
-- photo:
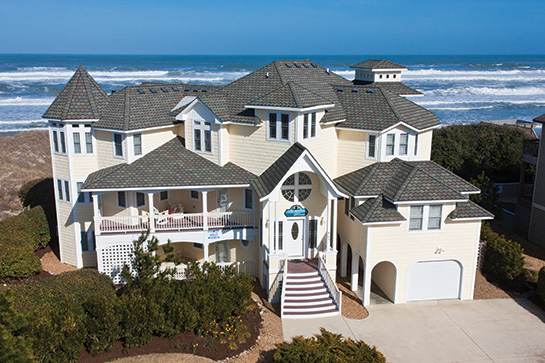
(305, 292)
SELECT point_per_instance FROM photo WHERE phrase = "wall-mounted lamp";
(267, 223)
(322, 221)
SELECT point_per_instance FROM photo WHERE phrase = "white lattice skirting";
(112, 259)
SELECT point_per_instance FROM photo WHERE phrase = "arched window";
(297, 187)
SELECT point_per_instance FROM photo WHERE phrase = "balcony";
(173, 222)
(530, 151)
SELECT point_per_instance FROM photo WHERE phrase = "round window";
(245, 243)
(297, 187)
(294, 231)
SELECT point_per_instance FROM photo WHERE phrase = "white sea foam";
(23, 122)
(460, 108)
(499, 75)
(505, 91)
(22, 101)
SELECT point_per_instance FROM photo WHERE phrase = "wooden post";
(96, 213)
(151, 213)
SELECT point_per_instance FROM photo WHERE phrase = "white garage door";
(433, 280)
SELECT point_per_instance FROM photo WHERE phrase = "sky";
(242, 27)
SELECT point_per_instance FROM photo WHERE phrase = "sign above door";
(296, 211)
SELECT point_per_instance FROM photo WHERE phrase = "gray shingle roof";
(378, 64)
(404, 181)
(540, 118)
(170, 165)
(397, 88)
(376, 210)
(81, 99)
(377, 109)
(269, 179)
(147, 105)
(469, 210)
(291, 95)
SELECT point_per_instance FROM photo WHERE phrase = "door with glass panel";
(223, 200)
(222, 252)
(293, 240)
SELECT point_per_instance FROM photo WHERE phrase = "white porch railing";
(173, 222)
(241, 267)
(331, 285)
(284, 283)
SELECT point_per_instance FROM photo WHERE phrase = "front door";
(294, 237)
(223, 200)
(222, 252)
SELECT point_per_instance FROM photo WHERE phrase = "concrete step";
(297, 284)
(310, 296)
(305, 290)
(302, 274)
(310, 315)
(309, 309)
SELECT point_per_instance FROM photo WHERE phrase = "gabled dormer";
(378, 70)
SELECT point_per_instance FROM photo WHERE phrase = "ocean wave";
(504, 91)
(23, 122)
(496, 75)
(22, 101)
(460, 108)
(465, 102)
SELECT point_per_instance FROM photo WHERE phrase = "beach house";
(292, 173)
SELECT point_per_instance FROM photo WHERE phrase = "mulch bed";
(186, 342)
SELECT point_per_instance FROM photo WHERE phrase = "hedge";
(327, 347)
(18, 262)
(13, 345)
(541, 285)
(503, 259)
(30, 227)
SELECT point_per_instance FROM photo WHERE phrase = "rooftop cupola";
(378, 70)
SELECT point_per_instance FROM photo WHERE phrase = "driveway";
(503, 330)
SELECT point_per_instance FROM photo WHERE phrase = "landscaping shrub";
(541, 285)
(102, 320)
(30, 227)
(13, 345)
(36, 192)
(327, 347)
(17, 262)
(503, 259)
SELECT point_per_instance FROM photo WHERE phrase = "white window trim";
(309, 128)
(87, 199)
(368, 146)
(296, 186)
(122, 145)
(244, 199)
(91, 248)
(397, 144)
(136, 200)
(61, 195)
(202, 126)
(167, 198)
(198, 195)
(279, 127)
(59, 130)
(134, 145)
(82, 130)
(425, 219)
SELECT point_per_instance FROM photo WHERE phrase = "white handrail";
(336, 293)
(284, 280)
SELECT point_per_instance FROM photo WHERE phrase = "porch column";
(344, 253)
(355, 271)
(272, 242)
(151, 213)
(96, 214)
(366, 285)
(205, 251)
(334, 224)
(205, 212)
(327, 247)
(276, 229)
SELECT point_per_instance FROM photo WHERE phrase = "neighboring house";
(291, 167)
(534, 153)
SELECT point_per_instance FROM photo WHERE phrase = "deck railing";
(173, 222)
(241, 267)
(284, 283)
(331, 285)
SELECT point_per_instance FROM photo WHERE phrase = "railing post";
(151, 213)
(96, 212)
(205, 210)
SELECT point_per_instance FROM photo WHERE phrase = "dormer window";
(202, 136)
(309, 125)
(279, 127)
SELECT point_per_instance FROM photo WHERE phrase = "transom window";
(202, 136)
(425, 217)
(279, 126)
(309, 125)
(297, 187)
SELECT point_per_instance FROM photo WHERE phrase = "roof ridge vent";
(370, 90)
(356, 89)
(267, 75)
(327, 70)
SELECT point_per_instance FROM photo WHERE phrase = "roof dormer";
(378, 70)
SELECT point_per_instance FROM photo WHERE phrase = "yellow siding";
(201, 113)
(66, 231)
(424, 145)
(61, 166)
(105, 149)
(155, 138)
(352, 151)
(324, 148)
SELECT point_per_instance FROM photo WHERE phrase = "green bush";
(18, 262)
(327, 347)
(541, 285)
(30, 227)
(140, 316)
(36, 192)
(101, 323)
(13, 345)
(503, 259)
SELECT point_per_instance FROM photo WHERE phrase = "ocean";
(458, 89)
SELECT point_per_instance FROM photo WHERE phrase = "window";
(140, 199)
(297, 187)
(403, 144)
(88, 143)
(390, 144)
(163, 195)
(309, 125)
(349, 203)
(372, 146)
(77, 143)
(66, 191)
(121, 200)
(60, 194)
(352, 206)
(193, 194)
(137, 141)
(63, 143)
(201, 128)
(87, 240)
(425, 217)
(417, 216)
(279, 127)
(416, 144)
(84, 242)
(83, 197)
(280, 235)
(198, 246)
(118, 145)
(245, 243)
(313, 233)
(55, 142)
(434, 218)
(248, 199)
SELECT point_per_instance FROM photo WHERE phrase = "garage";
(433, 280)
